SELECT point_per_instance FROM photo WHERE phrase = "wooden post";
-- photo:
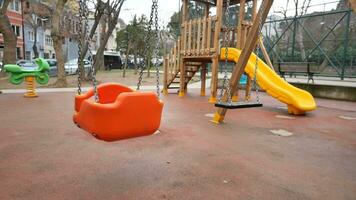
(184, 25)
(203, 79)
(182, 78)
(254, 9)
(165, 76)
(178, 55)
(215, 60)
(240, 39)
(203, 45)
(239, 26)
(248, 89)
(198, 37)
(189, 37)
(208, 37)
(245, 55)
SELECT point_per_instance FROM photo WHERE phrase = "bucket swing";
(225, 100)
(111, 111)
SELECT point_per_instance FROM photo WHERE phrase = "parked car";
(26, 63)
(112, 60)
(53, 71)
(71, 67)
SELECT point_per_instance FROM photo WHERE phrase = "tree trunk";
(57, 43)
(8, 35)
(135, 62)
(148, 66)
(99, 11)
(34, 47)
(99, 58)
(103, 42)
(126, 60)
(299, 39)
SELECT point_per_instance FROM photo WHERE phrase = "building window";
(15, 5)
(28, 55)
(18, 53)
(17, 30)
(31, 36)
(48, 40)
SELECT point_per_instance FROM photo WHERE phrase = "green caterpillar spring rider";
(18, 74)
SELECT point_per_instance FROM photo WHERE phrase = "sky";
(167, 7)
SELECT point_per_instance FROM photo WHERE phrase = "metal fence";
(325, 39)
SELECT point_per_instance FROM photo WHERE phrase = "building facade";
(15, 15)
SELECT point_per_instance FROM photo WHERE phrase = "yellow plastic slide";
(297, 100)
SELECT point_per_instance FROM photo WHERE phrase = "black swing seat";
(237, 105)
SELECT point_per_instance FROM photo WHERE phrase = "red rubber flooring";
(43, 155)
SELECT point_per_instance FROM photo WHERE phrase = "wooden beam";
(215, 60)
(203, 79)
(245, 55)
(248, 89)
(203, 45)
(208, 36)
(199, 34)
(189, 51)
(165, 76)
(239, 26)
(254, 9)
(353, 5)
(182, 78)
(265, 54)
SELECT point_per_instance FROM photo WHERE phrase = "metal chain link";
(80, 46)
(84, 13)
(226, 84)
(156, 51)
(146, 43)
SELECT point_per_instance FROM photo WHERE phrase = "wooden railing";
(197, 37)
(171, 61)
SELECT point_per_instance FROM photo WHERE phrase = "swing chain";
(84, 13)
(80, 46)
(146, 43)
(226, 84)
(156, 51)
(257, 60)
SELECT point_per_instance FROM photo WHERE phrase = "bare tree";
(35, 17)
(57, 38)
(299, 36)
(100, 7)
(112, 12)
(8, 35)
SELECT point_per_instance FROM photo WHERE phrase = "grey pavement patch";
(283, 107)
(281, 132)
(347, 117)
(284, 117)
(209, 115)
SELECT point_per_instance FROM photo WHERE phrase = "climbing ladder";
(190, 71)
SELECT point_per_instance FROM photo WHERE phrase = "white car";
(71, 67)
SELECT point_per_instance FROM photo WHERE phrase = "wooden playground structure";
(200, 43)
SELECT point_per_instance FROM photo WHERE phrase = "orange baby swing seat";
(120, 113)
